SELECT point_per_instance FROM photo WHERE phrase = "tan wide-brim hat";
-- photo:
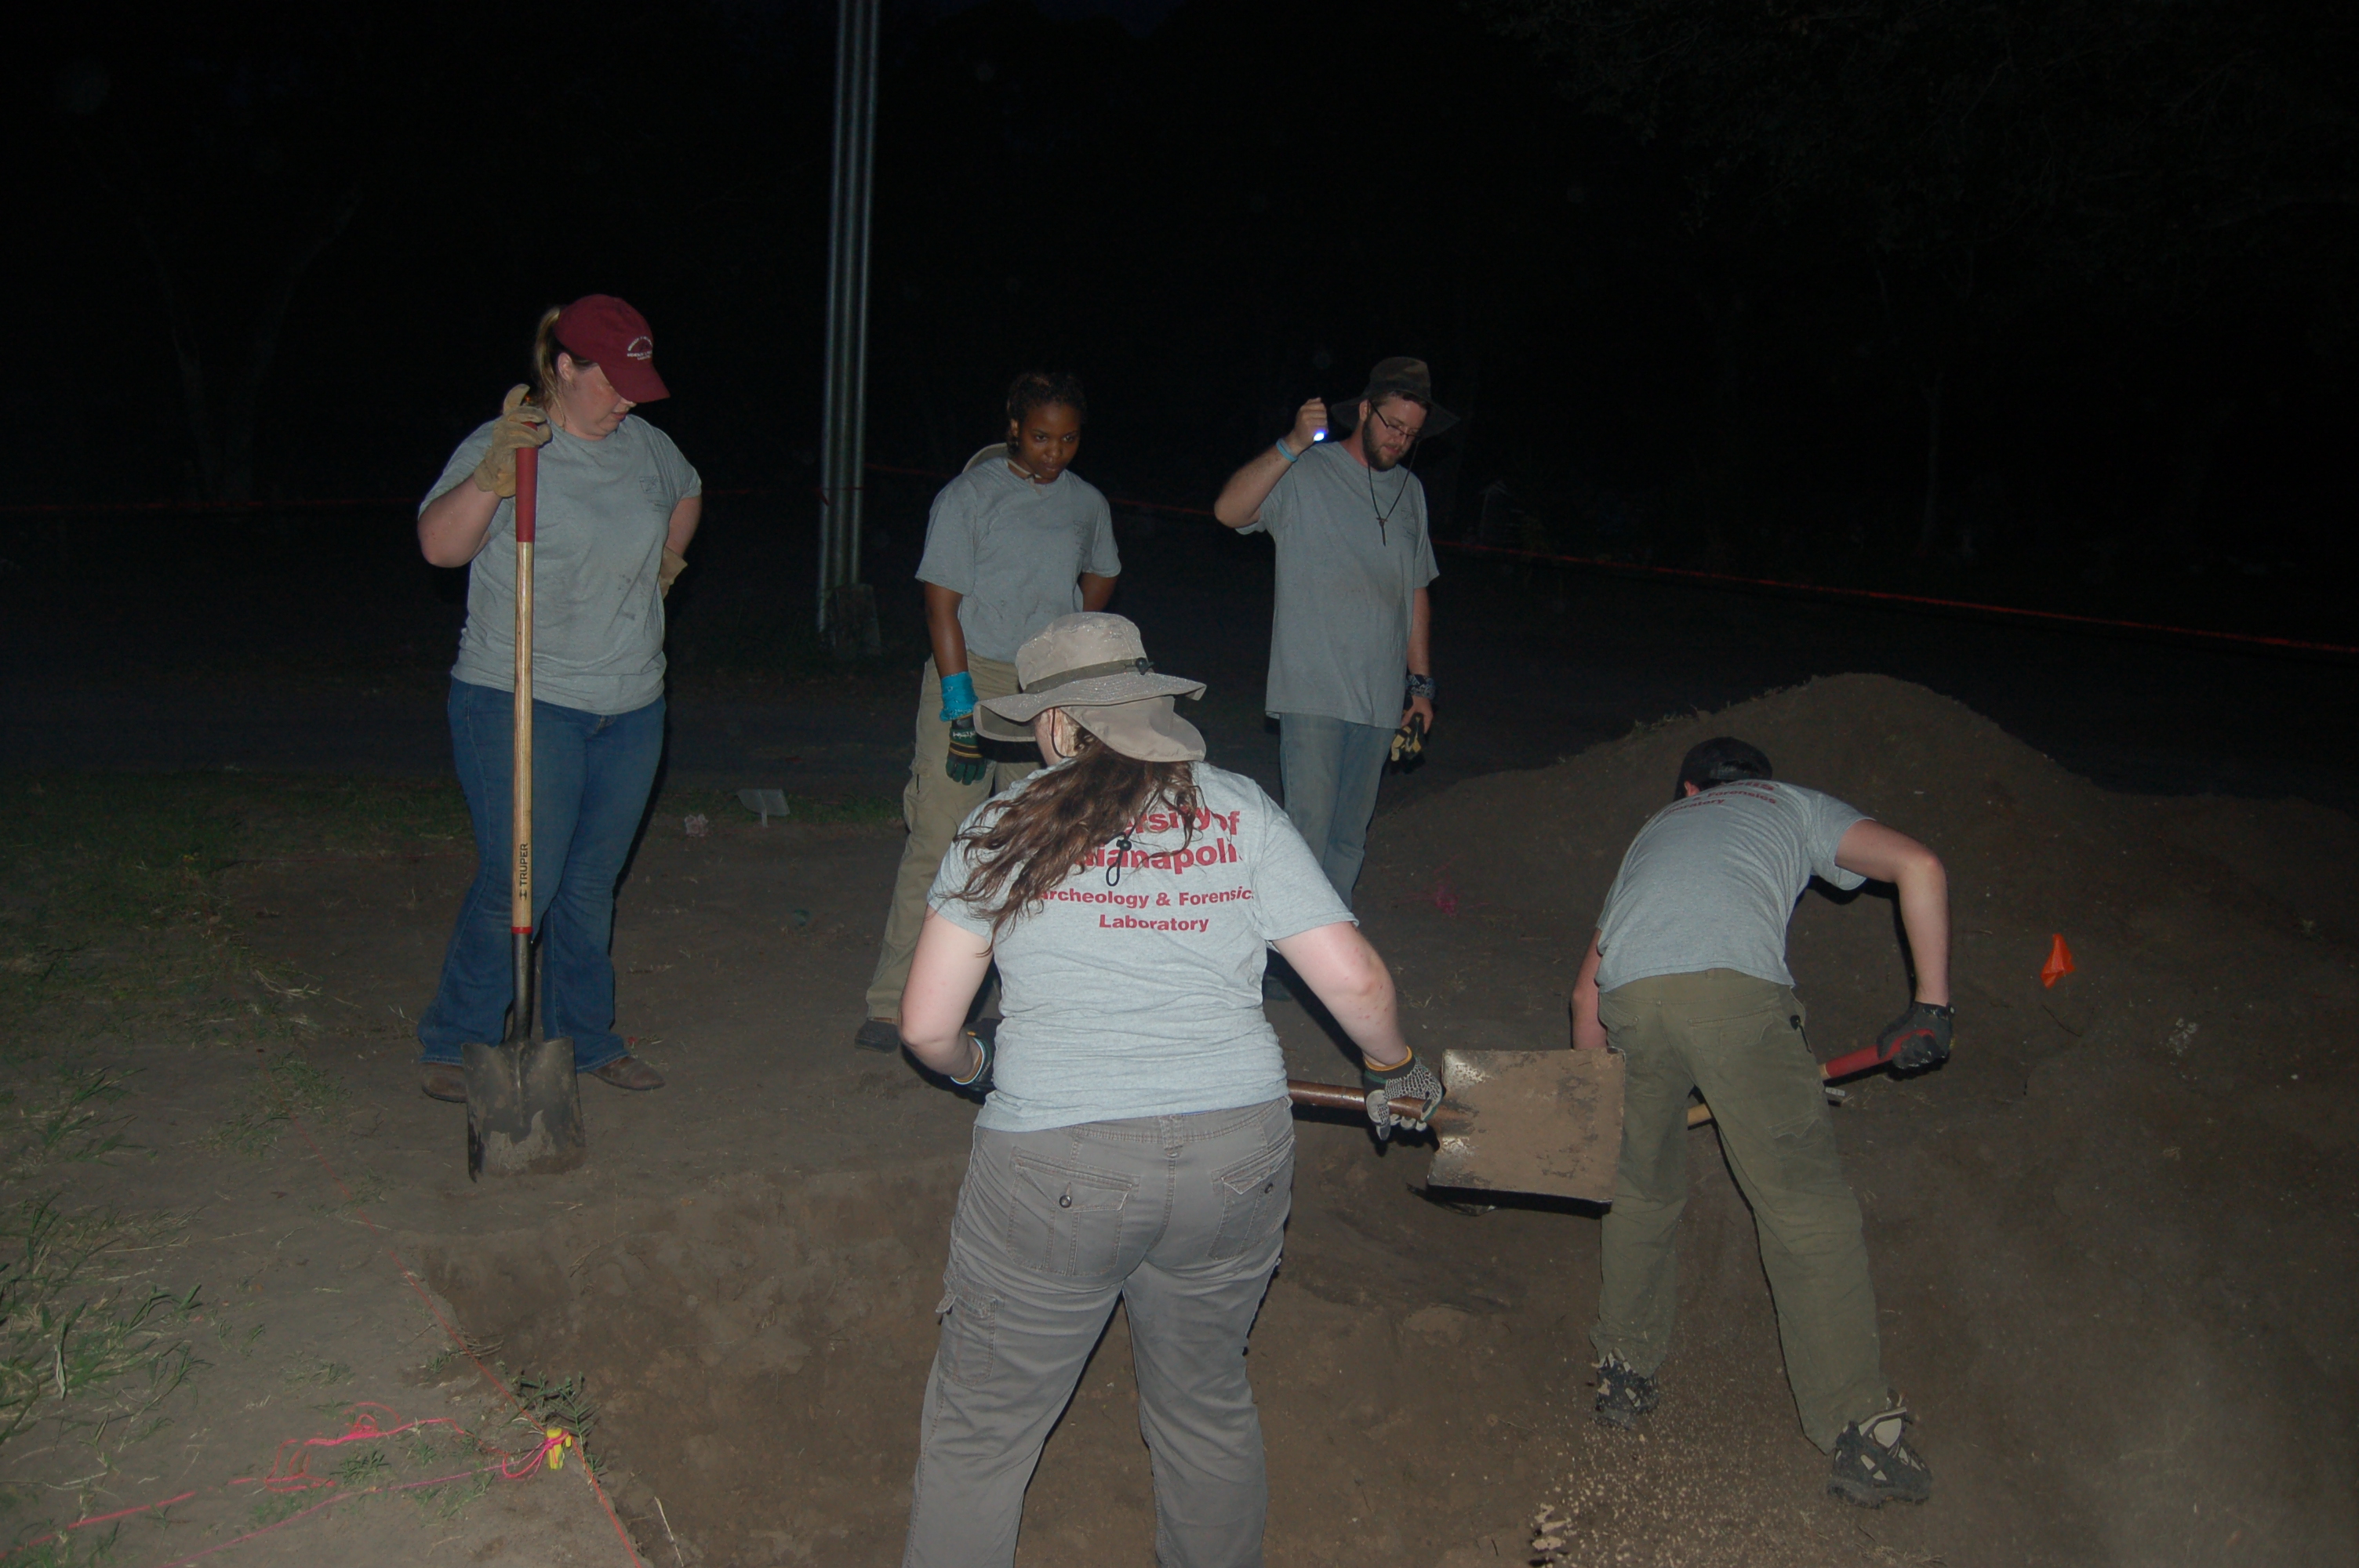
(1094, 666)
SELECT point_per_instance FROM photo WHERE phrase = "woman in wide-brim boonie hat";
(1095, 668)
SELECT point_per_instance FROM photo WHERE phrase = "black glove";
(983, 1035)
(964, 764)
(1918, 1039)
(1411, 1079)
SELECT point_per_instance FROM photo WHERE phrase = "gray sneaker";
(1623, 1395)
(1873, 1463)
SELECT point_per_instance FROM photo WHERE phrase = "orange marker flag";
(2059, 962)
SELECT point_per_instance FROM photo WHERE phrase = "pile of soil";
(2113, 1240)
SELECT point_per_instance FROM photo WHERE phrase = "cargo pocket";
(1256, 1196)
(1066, 1219)
(969, 1324)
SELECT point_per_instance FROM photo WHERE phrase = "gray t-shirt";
(597, 605)
(1339, 642)
(1711, 880)
(1015, 550)
(1143, 997)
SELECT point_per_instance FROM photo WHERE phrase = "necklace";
(1385, 515)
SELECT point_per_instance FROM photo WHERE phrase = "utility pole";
(847, 606)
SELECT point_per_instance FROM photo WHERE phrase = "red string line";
(1879, 595)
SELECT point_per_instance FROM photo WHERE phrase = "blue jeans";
(590, 776)
(1330, 769)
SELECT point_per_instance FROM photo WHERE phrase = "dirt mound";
(2112, 1238)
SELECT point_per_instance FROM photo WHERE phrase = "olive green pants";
(932, 805)
(1739, 1040)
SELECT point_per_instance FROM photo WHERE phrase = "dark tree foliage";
(2180, 167)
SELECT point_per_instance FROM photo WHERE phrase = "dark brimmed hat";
(1094, 666)
(1403, 377)
(608, 333)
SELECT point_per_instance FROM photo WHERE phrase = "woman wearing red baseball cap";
(618, 506)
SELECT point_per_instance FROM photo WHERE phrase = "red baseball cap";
(608, 333)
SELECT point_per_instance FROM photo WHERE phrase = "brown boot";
(628, 1073)
(444, 1080)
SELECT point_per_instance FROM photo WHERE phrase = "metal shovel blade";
(524, 1110)
(1532, 1122)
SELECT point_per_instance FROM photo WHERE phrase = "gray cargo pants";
(1180, 1216)
(1739, 1040)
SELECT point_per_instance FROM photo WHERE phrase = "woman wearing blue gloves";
(1012, 544)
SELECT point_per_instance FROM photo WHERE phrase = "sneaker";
(878, 1035)
(1623, 1394)
(1873, 1463)
(444, 1081)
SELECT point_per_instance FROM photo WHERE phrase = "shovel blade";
(524, 1110)
(1532, 1122)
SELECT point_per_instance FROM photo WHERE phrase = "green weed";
(366, 1467)
(65, 1122)
(276, 1506)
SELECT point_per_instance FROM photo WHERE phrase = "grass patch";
(65, 1120)
(86, 1344)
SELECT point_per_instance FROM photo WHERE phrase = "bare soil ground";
(2114, 1240)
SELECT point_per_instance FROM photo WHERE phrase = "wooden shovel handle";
(1860, 1061)
(528, 515)
(1335, 1096)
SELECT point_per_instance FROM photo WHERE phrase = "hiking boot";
(879, 1034)
(444, 1080)
(1873, 1463)
(628, 1073)
(1623, 1395)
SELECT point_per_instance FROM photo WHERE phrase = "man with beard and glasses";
(1350, 655)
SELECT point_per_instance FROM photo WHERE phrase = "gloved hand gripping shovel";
(524, 1102)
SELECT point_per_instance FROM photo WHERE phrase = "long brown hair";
(1043, 835)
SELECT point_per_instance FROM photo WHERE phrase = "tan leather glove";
(674, 563)
(521, 425)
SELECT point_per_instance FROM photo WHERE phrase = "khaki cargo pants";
(1739, 1040)
(933, 807)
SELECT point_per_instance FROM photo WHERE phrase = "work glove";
(521, 425)
(1918, 1039)
(1411, 1079)
(984, 1036)
(964, 764)
(1408, 740)
(674, 563)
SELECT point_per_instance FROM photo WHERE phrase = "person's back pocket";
(1256, 1196)
(1067, 1219)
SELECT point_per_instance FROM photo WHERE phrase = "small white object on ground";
(699, 826)
(764, 802)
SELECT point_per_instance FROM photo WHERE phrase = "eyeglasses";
(1398, 429)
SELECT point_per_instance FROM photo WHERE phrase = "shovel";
(1548, 1123)
(1519, 1121)
(524, 1100)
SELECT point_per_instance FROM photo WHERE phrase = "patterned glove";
(1918, 1039)
(964, 764)
(521, 425)
(1411, 1079)
(1408, 740)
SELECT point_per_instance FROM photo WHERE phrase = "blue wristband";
(1282, 452)
(958, 694)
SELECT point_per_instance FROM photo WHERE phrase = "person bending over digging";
(1686, 975)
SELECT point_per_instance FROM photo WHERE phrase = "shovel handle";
(1864, 1059)
(1336, 1096)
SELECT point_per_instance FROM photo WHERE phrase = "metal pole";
(847, 616)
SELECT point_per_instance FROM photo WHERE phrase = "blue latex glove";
(958, 694)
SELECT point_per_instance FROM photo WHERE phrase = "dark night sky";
(1695, 315)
